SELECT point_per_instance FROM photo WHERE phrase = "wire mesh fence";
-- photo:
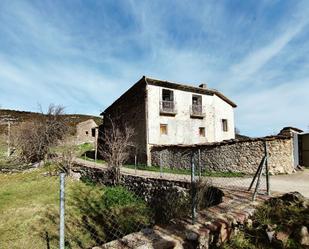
(96, 213)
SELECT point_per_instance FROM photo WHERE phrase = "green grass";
(24, 197)
(183, 171)
(169, 170)
(91, 159)
(88, 147)
(85, 147)
(78, 149)
(29, 211)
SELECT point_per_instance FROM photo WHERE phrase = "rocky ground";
(281, 223)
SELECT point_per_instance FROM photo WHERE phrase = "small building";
(163, 112)
(86, 131)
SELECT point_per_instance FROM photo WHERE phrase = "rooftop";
(174, 85)
(185, 87)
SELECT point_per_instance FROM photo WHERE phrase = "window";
(87, 133)
(163, 129)
(224, 125)
(93, 132)
(202, 131)
(196, 100)
(167, 95)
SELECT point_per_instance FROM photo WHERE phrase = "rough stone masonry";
(242, 156)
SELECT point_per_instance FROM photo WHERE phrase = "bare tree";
(33, 139)
(65, 159)
(116, 147)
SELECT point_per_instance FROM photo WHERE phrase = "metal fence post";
(266, 168)
(161, 166)
(199, 163)
(135, 163)
(193, 190)
(258, 181)
(62, 199)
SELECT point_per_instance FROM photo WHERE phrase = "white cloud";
(52, 57)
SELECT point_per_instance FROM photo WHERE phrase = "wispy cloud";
(85, 54)
(257, 59)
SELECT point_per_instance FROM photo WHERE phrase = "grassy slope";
(29, 211)
(24, 198)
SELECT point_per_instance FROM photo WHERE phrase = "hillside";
(16, 117)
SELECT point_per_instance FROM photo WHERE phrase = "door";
(304, 149)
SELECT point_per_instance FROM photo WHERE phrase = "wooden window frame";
(225, 125)
(202, 131)
(163, 129)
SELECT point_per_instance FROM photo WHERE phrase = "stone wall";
(230, 156)
(148, 188)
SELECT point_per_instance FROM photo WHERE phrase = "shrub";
(33, 139)
(95, 215)
(110, 212)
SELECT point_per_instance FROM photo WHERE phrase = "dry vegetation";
(116, 147)
(33, 139)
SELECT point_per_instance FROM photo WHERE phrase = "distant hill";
(16, 117)
(241, 137)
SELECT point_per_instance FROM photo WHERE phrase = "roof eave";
(175, 85)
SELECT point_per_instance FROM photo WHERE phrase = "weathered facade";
(86, 132)
(164, 113)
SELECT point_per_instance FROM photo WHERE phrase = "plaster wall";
(183, 129)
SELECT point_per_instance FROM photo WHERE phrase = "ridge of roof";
(181, 86)
(175, 85)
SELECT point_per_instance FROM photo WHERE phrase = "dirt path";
(280, 183)
(294, 182)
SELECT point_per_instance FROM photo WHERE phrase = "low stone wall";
(150, 189)
(229, 156)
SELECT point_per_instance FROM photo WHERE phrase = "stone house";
(86, 131)
(163, 112)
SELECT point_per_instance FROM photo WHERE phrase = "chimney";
(203, 85)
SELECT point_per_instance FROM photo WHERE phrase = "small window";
(167, 95)
(202, 131)
(163, 129)
(87, 133)
(224, 125)
(196, 100)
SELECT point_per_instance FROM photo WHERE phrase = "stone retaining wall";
(230, 156)
(150, 189)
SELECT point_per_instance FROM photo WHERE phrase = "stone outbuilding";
(86, 132)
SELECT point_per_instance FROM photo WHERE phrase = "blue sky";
(84, 54)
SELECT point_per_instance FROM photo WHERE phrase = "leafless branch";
(116, 146)
(34, 139)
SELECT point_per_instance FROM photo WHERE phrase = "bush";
(108, 213)
(95, 215)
